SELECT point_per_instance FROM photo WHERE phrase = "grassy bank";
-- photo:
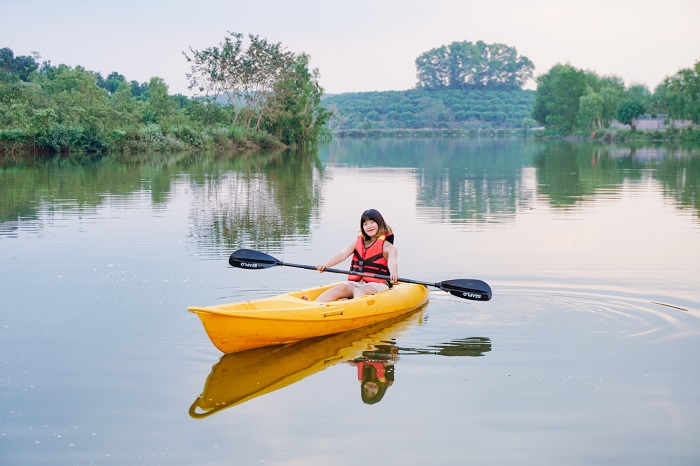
(148, 138)
(685, 136)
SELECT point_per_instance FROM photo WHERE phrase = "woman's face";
(370, 227)
(370, 389)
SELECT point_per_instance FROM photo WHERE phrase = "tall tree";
(112, 82)
(299, 116)
(681, 93)
(129, 111)
(590, 114)
(218, 72)
(466, 65)
(21, 66)
(629, 112)
(558, 97)
(433, 69)
(246, 77)
(612, 90)
(159, 104)
(264, 65)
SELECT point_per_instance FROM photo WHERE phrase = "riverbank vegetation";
(571, 101)
(469, 88)
(62, 109)
(249, 93)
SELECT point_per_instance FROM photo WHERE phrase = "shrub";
(265, 139)
(238, 133)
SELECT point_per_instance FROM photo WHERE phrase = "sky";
(359, 45)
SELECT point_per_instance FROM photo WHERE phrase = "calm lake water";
(587, 353)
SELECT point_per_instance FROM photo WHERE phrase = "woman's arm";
(391, 258)
(337, 258)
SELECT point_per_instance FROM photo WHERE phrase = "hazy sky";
(359, 45)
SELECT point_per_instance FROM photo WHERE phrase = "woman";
(373, 252)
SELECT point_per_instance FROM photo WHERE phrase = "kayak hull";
(288, 318)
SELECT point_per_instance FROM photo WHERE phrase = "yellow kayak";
(288, 318)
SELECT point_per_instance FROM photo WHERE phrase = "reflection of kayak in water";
(288, 318)
(245, 375)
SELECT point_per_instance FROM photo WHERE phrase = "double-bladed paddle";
(462, 288)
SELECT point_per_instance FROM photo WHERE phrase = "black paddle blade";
(467, 289)
(251, 259)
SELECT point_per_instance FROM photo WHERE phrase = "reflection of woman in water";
(375, 371)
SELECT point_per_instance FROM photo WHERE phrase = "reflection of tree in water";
(490, 180)
(569, 174)
(240, 199)
(680, 177)
(458, 180)
(246, 200)
(271, 197)
(36, 189)
(461, 196)
(479, 184)
(471, 346)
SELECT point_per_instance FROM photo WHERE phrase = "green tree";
(433, 69)
(208, 114)
(640, 93)
(681, 92)
(138, 89)
(265, 65)
(557, 98)
(18, 102)
(612, 90)
(247, 78)
(75, 113)
(129, 110)
(590, 114)
(160, 107)
(465, 65)
(298, 117)
(218, 71)
(112, 82)
(21, 67)
(629, 111)
(659, 99)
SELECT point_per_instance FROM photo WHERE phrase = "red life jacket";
(378, 367)
(369, 260)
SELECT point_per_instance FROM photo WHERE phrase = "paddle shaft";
(361, 274)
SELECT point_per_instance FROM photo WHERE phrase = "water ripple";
(582, 318)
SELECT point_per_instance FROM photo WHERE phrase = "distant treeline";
(259, 95)
(57, 109)
(467, 86)
(461, 86)
(571, 100)
(438, 109)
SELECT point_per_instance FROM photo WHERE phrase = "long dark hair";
(369, 374)
(384, 229)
